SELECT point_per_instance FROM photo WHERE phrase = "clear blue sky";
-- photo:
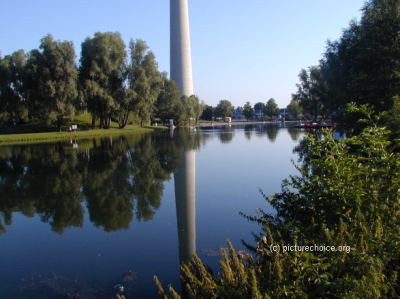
(241, 50)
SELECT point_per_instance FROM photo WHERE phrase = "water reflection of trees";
(117, 179)
(248, 129)
(226, 135)
(295, 133)
(302, 149)
(270, 130)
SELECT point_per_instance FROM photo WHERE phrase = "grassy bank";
(33, 133)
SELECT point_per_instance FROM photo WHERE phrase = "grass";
(39, 132)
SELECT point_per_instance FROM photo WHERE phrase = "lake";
(104, 216)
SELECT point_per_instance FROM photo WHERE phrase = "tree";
(144, 81)
(102, 75)
(208, 112)
(248, 110)
(271, 108)
(13, 101)
(224, 109)
(294, 108)
(52, 76)
(199, 106)
(260, 107)
(310, 90)
(362, 66)
(193, 107)
(167, 100)
(379, 56)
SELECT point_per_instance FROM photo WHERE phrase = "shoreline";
(27, 138)
(243, 122)
(41, 137)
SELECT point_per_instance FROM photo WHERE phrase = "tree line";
(226, 109)
(360, 67)
(110, 82)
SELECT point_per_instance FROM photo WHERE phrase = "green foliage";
(346, 196)
(101, 75)
(259, 106)
(224, 109)
(271, 108)
(208, 112)
(394, 116)
(294, 108)
(248, 110)
(192, 107)
(42, 86)
(311, 91)
(361, 67)
(51, 78)
(168, 100)
(144, 83)
(237, 278)
(13, 94)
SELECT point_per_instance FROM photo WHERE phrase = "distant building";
(238, 113)
(258, 113)
(283, 112)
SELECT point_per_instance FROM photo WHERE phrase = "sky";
(242, 51)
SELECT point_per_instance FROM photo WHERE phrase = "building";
(238, 113)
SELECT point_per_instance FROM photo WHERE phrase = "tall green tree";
(198, 107)
(193, 107)
(144, 83)
(224, 109)
(248, 110)
(208, 112)
(310, 91)
(271, 108)
(13, 95)
(362, 66)
(294, 108)
(260, 107)
(379, 57)
(52, 76)
(102, 75)
(166, 106)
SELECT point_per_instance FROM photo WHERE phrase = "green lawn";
(36, 132)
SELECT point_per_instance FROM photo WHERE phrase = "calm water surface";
(90, 216)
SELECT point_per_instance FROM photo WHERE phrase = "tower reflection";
(185, 198)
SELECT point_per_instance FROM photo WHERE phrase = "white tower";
(185, 183)
(180, 54)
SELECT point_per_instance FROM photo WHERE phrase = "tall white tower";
(185, 182)
(180, 54)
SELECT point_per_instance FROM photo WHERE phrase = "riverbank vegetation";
(110, 83)
(360, 67)
(40, 132)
